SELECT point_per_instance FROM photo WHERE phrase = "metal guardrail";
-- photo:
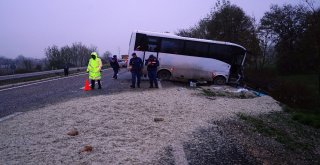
(24, 75)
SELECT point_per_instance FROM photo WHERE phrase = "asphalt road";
(37, 95)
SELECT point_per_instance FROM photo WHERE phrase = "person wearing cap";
(94, 69)
(152, 66)
(115, 66)
(135, 66)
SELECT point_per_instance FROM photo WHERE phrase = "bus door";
(141, 46)
(152, 48)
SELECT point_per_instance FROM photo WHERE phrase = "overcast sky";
(27, 27)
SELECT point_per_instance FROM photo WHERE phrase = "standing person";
(94, 69)
(66, 70)
(136, 66)
(152, 66)
(13, 67)
(115, 66)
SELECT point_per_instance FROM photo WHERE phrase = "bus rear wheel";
(219, 80)
(164, 75)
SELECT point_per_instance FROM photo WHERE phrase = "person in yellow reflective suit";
(94, 69)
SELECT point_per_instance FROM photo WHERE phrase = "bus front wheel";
(164, 75)
(219, 80)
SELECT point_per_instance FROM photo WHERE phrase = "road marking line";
(40, 82)
(10, 116)
(178, 154)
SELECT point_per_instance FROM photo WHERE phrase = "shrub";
(296, 94)
(261, 80)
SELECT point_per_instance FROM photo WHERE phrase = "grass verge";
(300, 92)
(304, 116)
(271, 128)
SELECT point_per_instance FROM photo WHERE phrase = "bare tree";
(76, 55)
(24, 64)
(6, 66)
(81, 53)
(66, 53)
(54, 57)
(106, 57)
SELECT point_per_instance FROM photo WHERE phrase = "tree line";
(20, 64)
(76, 55)
(287, 36)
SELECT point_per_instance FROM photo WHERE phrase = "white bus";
(185, 59)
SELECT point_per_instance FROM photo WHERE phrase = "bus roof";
(173, 36)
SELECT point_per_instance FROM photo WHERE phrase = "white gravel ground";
(120, 128)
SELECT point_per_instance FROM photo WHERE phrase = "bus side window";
(220, 52)
(171, 46)
(198, 49)
(153, 43)
(141, 42)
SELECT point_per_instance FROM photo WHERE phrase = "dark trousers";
(153, 78)
(66, 71)
(136, 77)
(115, 73)
(93, 84)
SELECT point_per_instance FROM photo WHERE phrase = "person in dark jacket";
(135, 67)
(66, 70)
(152, 66)
(115, 66)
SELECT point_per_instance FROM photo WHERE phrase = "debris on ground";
(228, 91)
(158, 119)
(86, 148)
(73, 132)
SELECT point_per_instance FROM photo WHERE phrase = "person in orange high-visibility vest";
(152, 66)
(94, 69)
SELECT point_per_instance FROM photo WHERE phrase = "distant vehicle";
(122, 62)
(183, 58)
